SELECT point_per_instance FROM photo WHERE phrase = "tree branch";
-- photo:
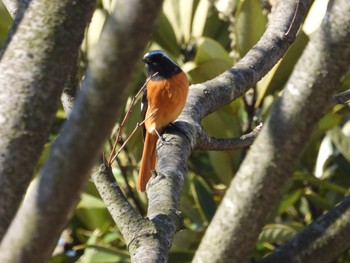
(260, 181)
(165, 186)
(127, 219)
(207, 143)
(11, 6)
(32, 72)
(342, 98)
(56, 190)
(70, 89)
(16, 9)
(233, 83)
(321, 241)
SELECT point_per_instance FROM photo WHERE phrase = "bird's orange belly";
(166, 99)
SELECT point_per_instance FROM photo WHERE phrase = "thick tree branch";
(164, 193)
(148, 239)
(55, 192)
(232, 84)
(70, 89)
(322, 241)
(260, 181)
(207, 143)
(32, 72)
(72, 82)
(16, 9)
(127, 219)
(164, 189)
(11, 6)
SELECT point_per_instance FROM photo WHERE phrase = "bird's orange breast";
(166, 99)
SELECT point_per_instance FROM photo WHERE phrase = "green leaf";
(5, 23)
(100, 256)
(185, 240)
(180, 256)
(250, 25)
(345, 84)
(318, 200)
(88, 201)
(186, 8)
(208, 49)
(200, 18)
(224, 123)
(192, 217)
(329, 121)
(323, 184)
(211, 60)
(341, 141)
(263, 87)
(92, 212)
(279, 75)
(94, 252)
(179, 14)
(94, 30)
(62, 258)
(205, 71)
(217, 28)
(288, 200)
(165, 36)
(88, 253)
(203, 198)
(326, 151)
(172, 11)
(222, 165)
(276, 233)
(289, 60)
(305, 210)
(314, 16)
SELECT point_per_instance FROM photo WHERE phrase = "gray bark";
(151, 244)
(56, 190)
(11, 6)
(33, 68)
(322, 241)
(260, 181)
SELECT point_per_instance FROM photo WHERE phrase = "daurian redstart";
(162, 102)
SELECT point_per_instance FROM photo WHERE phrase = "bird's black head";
(158, 61)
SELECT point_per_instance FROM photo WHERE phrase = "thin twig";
(119, 131)
(342, 98)
(294, 17)
(104, 158)
(132, 133)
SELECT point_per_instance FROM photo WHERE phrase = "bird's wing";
(144, 106)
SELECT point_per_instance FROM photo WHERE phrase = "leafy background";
(206, 38)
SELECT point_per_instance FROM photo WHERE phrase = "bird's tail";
(148, 161)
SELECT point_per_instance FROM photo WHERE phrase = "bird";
(162, 102)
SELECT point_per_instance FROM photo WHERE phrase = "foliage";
(207, 39)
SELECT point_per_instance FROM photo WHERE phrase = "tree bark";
(56, 190)
(33, 68)
(322, 241)
(11, 6)
(164, 188)
(260, 181)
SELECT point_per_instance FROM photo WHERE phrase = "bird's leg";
(173, 126)
(161, 138)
